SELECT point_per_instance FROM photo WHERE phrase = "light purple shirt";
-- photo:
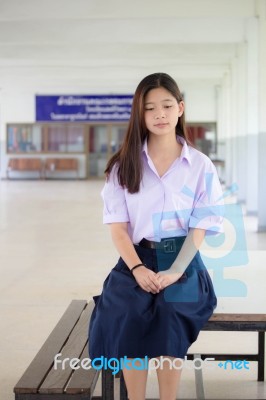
(188, 195)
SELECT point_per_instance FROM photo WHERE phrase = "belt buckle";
(169, 246)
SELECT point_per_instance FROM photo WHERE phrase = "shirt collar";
(184, 153)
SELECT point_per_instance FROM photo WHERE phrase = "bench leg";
(261, 355)
(123, 389)
(107, 384)
(200, 395)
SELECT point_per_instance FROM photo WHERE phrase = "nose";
(160, 114)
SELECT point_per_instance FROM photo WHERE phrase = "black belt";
(167, 245)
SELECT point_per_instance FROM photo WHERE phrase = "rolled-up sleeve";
(208, 210)
(113, 195)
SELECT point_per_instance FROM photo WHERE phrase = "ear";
(181, 106)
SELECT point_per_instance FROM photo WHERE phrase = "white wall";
(200, 100)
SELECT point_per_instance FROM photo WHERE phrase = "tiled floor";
(54, 248)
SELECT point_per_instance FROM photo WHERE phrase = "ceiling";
(102, 44)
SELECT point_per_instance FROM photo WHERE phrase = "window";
(65, 139)
(25, 138)
(37, 138)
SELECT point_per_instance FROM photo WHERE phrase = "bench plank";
(43, 361)
(82, 380)
(55, 396)
(238, 317)
(57, 379)
(235, 326)
(236, 322)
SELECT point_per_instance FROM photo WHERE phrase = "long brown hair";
(128, 157)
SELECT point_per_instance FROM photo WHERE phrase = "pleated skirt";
(128, 321)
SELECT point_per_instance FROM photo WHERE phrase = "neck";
(163, 145)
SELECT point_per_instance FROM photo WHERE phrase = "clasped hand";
(155, 282)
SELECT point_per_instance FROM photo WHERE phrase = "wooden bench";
(61, 164)
(41, 381)
(24, 165)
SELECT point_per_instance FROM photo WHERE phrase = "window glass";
(117, 136)
(24, 138)
(57, 138)
(203, 136)
(63, 138)
(75, 138)
(98, 150)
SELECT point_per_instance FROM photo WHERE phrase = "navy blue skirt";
(128, 321)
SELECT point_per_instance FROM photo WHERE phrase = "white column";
(262, 118)
(252, 116)
(2, 136)
(234, 126)
(221, 133)
(241, 123)
(228, 133)
(235, 95)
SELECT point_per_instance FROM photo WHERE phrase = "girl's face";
(162, 111)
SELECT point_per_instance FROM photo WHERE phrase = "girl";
(160, 198)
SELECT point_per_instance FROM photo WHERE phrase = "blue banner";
(98, 108)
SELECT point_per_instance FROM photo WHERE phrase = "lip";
(161, 125)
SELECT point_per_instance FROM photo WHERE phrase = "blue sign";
(98, 108)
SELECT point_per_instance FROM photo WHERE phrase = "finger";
(145, 288)
(163, 283)
(150, 290)
(155, 281)
(149, 287)
(154, 287)
(144, 284)
(160, 281)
